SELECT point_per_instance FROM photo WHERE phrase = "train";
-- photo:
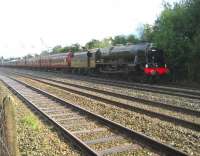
(131, 59)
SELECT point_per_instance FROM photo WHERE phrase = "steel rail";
(76, 141)
(144, 101)
(176, 121)
(191, 93)
(140, 138)
(181, 92)
(149, 88)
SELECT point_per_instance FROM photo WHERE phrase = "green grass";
(30, 121)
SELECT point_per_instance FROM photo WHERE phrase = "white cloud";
(24, 22)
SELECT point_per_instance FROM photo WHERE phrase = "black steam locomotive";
(137, 58)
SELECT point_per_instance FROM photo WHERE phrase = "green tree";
(146, 32)
(177, 32)
(75, 47)
(93, 44)
(106, 42)
(132, 39)
(120, 39)
(57, 49)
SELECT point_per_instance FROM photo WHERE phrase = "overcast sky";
(30, 26)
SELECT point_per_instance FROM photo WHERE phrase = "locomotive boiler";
(132, 59)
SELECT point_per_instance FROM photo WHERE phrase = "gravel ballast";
(168, 99)
(181, 138)
(34, 136)
(176, 114)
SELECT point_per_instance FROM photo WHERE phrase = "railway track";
(174, 91)
(78, 125)
(94, 94)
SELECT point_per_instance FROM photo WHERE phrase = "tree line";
(176, 31)
(94, 43)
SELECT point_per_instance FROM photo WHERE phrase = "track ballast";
(33, 97)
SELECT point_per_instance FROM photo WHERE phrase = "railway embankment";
(25, 133)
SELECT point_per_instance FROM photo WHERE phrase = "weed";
(30, 121)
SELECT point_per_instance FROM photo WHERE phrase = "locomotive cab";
(155, 58)
(155, 64)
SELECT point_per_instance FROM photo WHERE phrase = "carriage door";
(89, 55)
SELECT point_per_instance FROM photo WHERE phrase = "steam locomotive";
(132, 59)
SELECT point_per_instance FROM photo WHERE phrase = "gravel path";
(181, 138)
